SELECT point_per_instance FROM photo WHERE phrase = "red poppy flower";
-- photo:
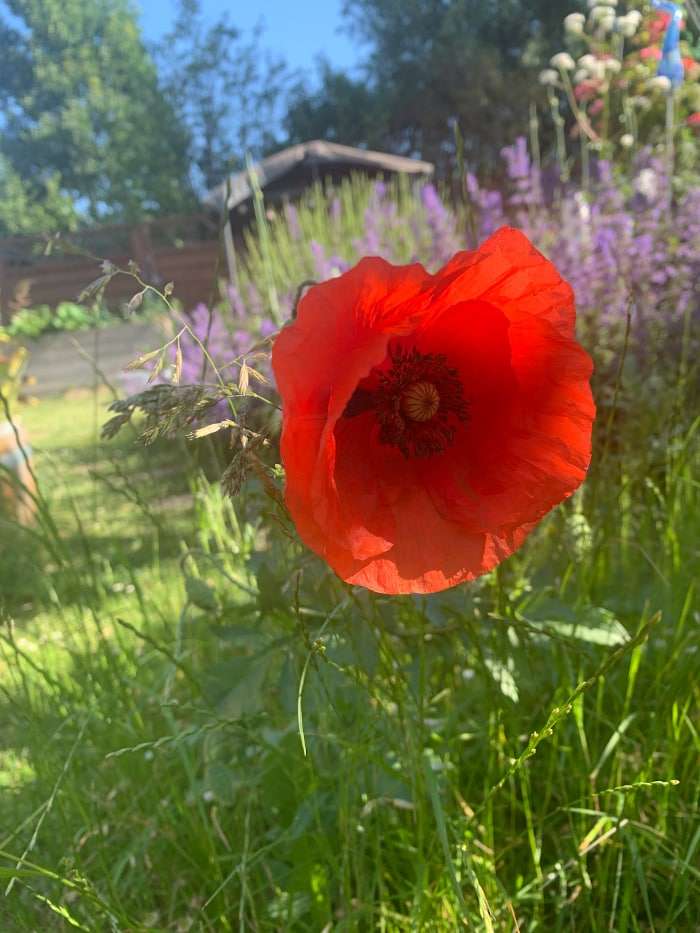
(694, 120)
(430, 421)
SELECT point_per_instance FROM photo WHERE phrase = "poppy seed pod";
(430, 421)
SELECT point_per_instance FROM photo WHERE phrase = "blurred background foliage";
(99, 125)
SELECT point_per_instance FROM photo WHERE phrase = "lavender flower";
(441, 225)
(292, 216)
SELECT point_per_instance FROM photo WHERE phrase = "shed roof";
(315, 155)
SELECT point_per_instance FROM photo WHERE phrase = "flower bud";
(627, 140)
(613, 65)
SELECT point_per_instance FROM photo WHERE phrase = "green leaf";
(270, 590)
(591, 624)
(200, 594)
(236, 685)
(220, 780)
(365, 643)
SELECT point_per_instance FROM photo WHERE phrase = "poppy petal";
(419, 515)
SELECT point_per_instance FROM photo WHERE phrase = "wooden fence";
(180, 250)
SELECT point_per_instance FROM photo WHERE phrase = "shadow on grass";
(108, 510)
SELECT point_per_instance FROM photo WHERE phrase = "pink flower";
(587, 90)
(659, 25)
(596, 107)
(651, 52)
(693, 120)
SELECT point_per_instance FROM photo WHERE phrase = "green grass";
(520, 753)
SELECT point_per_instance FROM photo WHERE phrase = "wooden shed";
(285, 175)
(183, 249)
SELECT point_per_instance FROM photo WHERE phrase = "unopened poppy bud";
(563, 61)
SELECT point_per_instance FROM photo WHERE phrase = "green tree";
(342, 110)
(25, 210)
(224, 89)
(432, 62)
(85, 120)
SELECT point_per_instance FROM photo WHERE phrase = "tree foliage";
(25, 212)
(87, 131)
(225, 90)
(432, 62)
(343, 110)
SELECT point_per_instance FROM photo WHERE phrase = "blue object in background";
(671, 64)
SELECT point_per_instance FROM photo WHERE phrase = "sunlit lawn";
(152, 774)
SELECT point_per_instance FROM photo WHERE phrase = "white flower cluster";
(574, 23)
(549, 77)
(603, 17)
(660, 83)
(628, 24)
(563, 61)
(647, 184)
(591, 67)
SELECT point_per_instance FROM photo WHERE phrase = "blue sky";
(299, 31)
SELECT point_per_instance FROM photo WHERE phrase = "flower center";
(420, 401)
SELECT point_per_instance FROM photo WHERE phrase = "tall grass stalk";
(519, 753)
